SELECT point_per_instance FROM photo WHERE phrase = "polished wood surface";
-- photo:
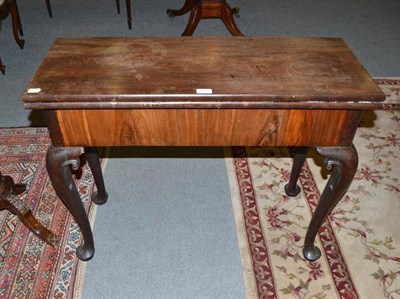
(105, 72)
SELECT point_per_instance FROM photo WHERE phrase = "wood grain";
(207, 127)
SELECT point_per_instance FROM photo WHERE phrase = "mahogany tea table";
(201, 91)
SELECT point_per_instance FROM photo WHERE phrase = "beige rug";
(360, 242)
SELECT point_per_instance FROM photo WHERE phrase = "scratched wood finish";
(207, 127)
(102, 72)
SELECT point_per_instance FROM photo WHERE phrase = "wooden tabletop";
(199, 72)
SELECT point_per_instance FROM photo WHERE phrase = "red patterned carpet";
(29, 268)
(360, 241)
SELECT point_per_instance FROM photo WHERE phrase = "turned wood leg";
(300, 155)
(16, 23)
(92, 156)
(129, 13)
(49, 8)
(227, 19)
(189, 4)
(194, 19)
(10, 200)
(58, 162)
(343, 162)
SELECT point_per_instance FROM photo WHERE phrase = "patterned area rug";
(29, 268)
(360, 242)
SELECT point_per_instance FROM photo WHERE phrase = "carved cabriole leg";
(58, 161)
(300, 155)
(343, 161)
(189, 4)
(92, 156)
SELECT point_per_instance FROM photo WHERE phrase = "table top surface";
(198, 72)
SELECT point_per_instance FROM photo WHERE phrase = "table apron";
(202, 127)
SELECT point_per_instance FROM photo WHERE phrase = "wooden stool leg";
(92, 156)
(118, 6)
(129, 13)
(58, 161)
(194, 19)
(343, 161)
(300, 155)
(189, 4)
(21, 32)
(16, 23)
(49, 8)
(2, 67)
(9, 200)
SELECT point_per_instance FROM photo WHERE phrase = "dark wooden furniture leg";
(58, 161)
(118, 6)
(128, 10)
(16, 23)
(226, 15)
(300, 155)
(208, 9)
(10, 201)
(49, 8)
(194, 20)
(129, 13)
(21, 32)
(2, 67)
(92, 156)
(343, 161)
